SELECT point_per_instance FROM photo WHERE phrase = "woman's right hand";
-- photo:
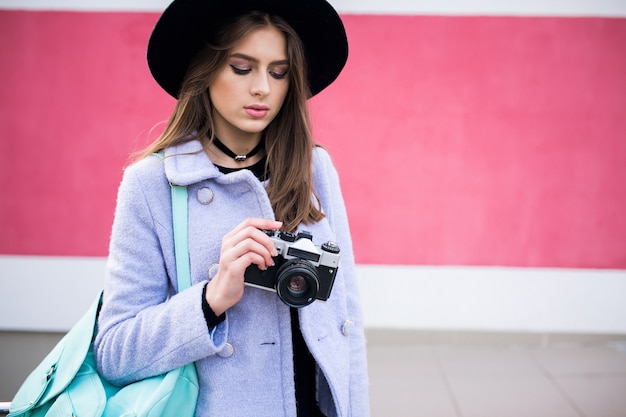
(245, 245)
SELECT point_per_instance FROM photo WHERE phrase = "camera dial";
(331, 247)
(287, 237)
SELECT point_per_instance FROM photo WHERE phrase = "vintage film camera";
(302, 272)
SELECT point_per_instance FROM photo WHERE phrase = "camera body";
(303, 272)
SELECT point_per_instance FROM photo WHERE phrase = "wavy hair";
(287, 139)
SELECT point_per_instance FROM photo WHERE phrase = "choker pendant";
(238, 158)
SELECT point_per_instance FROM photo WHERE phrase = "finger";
(239, 235)
(227, 286)
(256, 223)
(253, 258)
(260, 245)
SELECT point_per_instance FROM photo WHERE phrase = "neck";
(237, 141)
(240, 156)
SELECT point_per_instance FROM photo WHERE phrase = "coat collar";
(187, 164)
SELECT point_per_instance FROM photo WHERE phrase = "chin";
(254, 127)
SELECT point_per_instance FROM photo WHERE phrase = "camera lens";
(297, 283)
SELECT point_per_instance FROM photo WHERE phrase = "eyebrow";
(256, 61)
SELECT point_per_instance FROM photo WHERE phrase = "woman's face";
(249, 90)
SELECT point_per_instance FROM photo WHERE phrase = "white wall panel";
(50, 294)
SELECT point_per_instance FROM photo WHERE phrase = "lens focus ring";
(297, 283)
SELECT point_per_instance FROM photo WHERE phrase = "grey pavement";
(497, 378)
(447, 374)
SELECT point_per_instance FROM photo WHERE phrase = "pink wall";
(459, 140)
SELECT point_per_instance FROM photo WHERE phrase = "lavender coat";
(245, 365)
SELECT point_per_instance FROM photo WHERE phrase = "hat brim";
(185, 25)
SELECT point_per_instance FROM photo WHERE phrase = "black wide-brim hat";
(185, 25)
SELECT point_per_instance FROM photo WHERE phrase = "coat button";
(212, 271)
(227, 351)
(205, 195)
(347, 328)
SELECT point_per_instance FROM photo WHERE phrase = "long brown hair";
(288, 140)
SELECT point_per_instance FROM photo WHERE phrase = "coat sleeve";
(328, 187)
(143, 330)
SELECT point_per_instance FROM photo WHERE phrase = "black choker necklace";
(238, 158)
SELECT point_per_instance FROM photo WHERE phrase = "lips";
(257, 110)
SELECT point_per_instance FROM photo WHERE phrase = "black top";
(258, 169)
(303, 361)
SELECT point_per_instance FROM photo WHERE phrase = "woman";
(239, 139)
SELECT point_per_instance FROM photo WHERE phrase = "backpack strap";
(180, 227)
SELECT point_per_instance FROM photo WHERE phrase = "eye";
(240, 71)
(279, 74)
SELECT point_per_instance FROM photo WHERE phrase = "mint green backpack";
(67, 384)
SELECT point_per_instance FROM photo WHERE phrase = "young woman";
(239, 139)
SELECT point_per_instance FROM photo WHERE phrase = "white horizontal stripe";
(47, 293)
(486, 7)
(616, 8)
(494, 299)
(50, 294)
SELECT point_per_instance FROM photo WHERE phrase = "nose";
(260, 85)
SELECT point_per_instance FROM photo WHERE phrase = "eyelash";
(241, 71)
